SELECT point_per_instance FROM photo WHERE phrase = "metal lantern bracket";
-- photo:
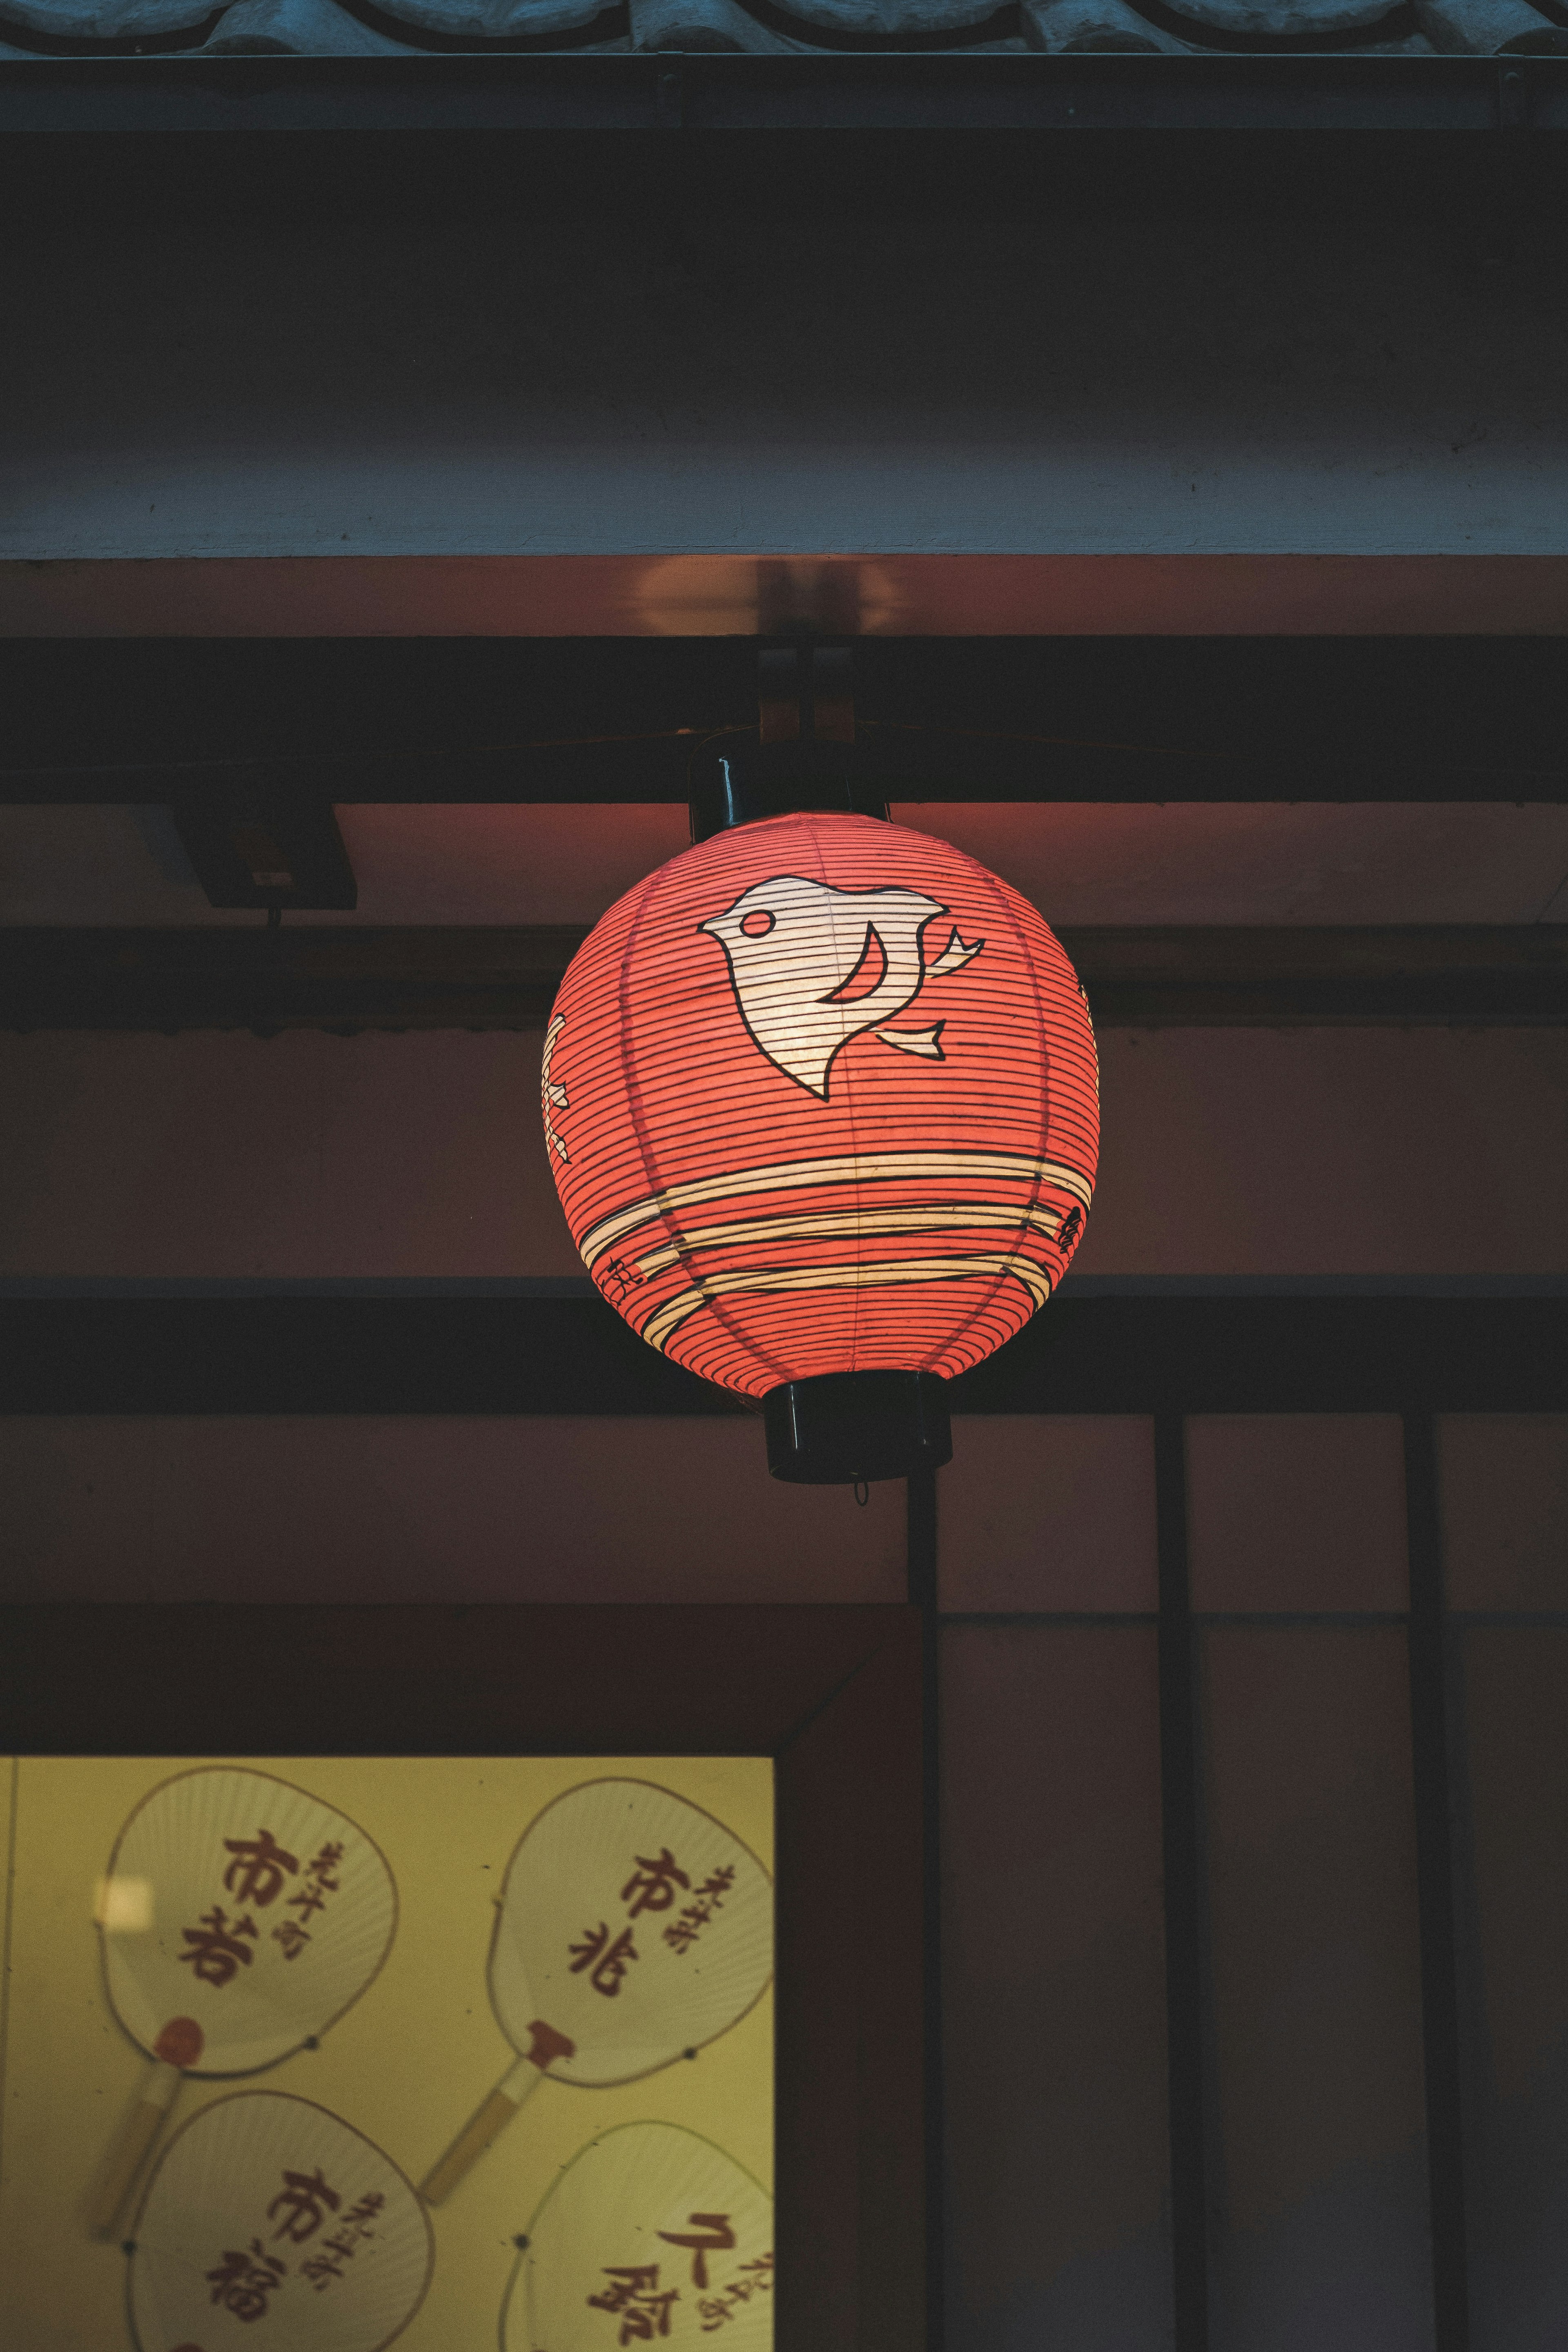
(805, 695)
(803, 755)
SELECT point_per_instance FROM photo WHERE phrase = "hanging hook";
(862, 1493)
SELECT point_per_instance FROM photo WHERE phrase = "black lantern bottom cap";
(842, 1428)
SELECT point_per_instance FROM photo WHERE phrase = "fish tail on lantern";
(822, 1106)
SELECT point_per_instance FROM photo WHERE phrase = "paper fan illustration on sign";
(650, 2234)
(633, 1928)
(264, 2207)
(240, 1917)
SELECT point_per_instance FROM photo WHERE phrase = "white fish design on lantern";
(795, 947)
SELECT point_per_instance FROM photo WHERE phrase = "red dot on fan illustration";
(240, 1917)
(181, 2043)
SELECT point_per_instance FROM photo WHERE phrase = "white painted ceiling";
(1185, 863)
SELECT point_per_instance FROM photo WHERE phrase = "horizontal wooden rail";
(522, 1355)
(354, 977)
(658, 94)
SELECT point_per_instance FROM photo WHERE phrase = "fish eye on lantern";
(821, 1104)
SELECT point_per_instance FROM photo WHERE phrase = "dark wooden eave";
(884, 91)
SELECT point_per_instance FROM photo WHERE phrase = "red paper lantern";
(820, 1101)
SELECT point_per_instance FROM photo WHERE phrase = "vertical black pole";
(1183, 1892)
(1435, 1886)
(923, 1593)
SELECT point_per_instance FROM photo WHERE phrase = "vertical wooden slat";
(1183, 1901)
(924, 1595)
(852, 2155)
(1434, 1861)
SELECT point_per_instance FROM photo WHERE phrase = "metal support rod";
(1435, 1887)
(1184, 1892)
(921, 1558)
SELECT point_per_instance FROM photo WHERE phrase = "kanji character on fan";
(242, 2282)
(360, 2214)
(327, 2262)
(714, 2237)
(327, 1859)
(259, 1866)
(682, 1933)
(216, 1954)
(612, 1959)
(648, 2319)
(654, 1883)
(636, 2301)
(304, 2196)
(633, 2279)
(292, 1936)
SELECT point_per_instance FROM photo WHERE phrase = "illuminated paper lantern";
(820, 1101)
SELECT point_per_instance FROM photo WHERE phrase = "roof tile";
(495, 20)
(1487, 28)
(104, 20)
(1062, 25)
(694, 26)
(1245, 20)
(298, 28)
(882, 20)
(325, 28)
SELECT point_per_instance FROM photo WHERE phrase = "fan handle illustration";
(240, 1917)
(650, 2232)
(633, 1928)
(264, 2206)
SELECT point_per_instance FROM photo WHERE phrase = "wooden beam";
(525, 1355)
(1118, 715)
(631, 98)
(347, 978)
